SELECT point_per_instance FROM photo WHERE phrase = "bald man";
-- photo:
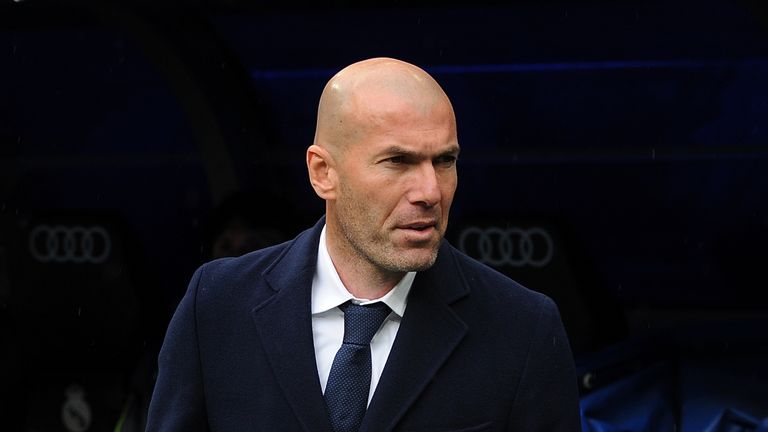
(369, 321)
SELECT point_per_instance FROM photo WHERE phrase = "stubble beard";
(381, 254)
(375, 246)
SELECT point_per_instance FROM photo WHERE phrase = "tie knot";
(362, 322)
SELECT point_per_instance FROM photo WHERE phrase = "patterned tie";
(346, 394)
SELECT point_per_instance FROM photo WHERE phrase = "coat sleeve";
(547, 397)
(178, 400)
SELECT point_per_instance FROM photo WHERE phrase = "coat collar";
(284, 323)
(428, 333)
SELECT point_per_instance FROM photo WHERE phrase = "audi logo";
(516, 247)
(70, 244)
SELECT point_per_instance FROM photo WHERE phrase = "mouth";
(420, 226)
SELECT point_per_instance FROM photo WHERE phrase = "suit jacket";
(475, 352)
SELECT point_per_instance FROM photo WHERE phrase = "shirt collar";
(329, 292)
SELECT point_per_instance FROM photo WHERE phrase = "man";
(264, 342)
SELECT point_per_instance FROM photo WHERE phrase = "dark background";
(633, 133)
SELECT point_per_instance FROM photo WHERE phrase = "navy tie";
(349, 382)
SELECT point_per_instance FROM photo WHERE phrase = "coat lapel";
(284, 324)
(428, 334)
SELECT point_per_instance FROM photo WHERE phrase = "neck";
(362, 278)
(364, 285)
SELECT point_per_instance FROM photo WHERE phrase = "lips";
(419, 225)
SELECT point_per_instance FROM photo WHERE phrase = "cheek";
(448, 187)
(378, 199)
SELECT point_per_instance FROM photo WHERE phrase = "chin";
(413, 261)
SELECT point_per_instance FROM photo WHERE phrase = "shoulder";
(234, 270)
(496, 305)
(238, 281)
(497, 291)
(484, 297)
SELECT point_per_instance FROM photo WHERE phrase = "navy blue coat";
(475, 352)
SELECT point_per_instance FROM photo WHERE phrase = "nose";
(425, 189)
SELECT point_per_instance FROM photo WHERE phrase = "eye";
(396, 160)
(445, 160)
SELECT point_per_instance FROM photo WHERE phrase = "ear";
(322, 174)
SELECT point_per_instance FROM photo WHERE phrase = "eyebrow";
(453, 150)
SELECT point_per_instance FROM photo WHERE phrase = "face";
(395, 188)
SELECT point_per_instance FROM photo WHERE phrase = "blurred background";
(614, 157)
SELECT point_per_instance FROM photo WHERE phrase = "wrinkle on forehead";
(373, 94)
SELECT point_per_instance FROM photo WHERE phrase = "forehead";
(399, 133)
(383, 117)
(384, 99)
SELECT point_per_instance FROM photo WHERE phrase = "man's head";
(384, 160)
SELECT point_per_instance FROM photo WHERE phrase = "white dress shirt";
(328, 292)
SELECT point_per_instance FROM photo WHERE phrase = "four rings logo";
(70, 244)
(516, 247)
